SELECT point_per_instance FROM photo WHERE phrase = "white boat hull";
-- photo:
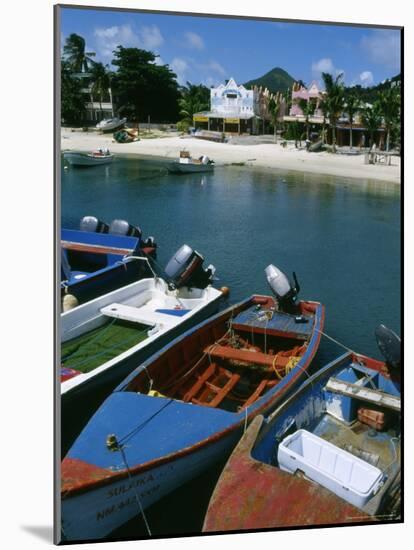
(108, 126)
(95, 514)
(82, 159)
(189, 168)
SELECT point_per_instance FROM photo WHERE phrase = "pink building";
(312, 94)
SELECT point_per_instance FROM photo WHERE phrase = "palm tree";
(100, 81)
(352, 106)
(334, 101)
(389, 107)
(324, 108)
(195, 98)
(307, 108)
(371, 118)
(75, 54)
(273, 107)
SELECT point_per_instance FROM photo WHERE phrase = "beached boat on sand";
(110, 124)
(103, 340)
(99, 258)
(185, 408)
(95, 158)
(329, 455)
(186, 164)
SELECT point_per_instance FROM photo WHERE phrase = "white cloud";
(366, 78)
(159, 60)
(324, 65)
(150, 37)
(179, 66)
(107, 39)
(193, 40)
(216, 67)
(382, 46)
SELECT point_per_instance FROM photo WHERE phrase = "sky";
(209, 50)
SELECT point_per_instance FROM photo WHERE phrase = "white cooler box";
(344, 474)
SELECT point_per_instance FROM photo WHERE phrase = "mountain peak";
(276, 80)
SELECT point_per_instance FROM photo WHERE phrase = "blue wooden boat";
(330, 454)
(99, 258)
(185, 408)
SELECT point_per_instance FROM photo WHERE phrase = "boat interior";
(115, 327)
(232, 361)
(353, 413)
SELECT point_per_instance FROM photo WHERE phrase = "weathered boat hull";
(95, 514)
(253, 493)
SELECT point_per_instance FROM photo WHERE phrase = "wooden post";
(239, 126)
(224, 125)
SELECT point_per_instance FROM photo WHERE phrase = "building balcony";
(96, 106)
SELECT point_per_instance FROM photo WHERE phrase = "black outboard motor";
(122, 227)
(149, 242)
(92, 224)
(390, 346)
(186, 269)
(285, 293)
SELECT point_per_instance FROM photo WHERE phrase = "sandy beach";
(263, 155)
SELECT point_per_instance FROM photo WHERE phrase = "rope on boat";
(245, 419)
(138, 428)
(335, 341)
(114, 445)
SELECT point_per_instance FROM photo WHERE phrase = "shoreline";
(264, 155)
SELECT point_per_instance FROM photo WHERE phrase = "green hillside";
(276, 80)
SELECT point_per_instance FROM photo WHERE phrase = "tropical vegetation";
(194, 99)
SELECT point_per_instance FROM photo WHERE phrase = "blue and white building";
(233, 109)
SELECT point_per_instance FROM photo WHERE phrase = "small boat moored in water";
(186, 164)
(329, 455)
(110, 124)
(95, 158)
(186, 406)
(103, 340)
(99, 258)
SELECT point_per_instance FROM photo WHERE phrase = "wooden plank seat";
(95, 248)
(369, 395)
(277, 361)
(212, 386)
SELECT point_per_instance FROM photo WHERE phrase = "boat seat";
(227, 352)
(212, 386)
(369, 395)
(258, 392)
(138, 315)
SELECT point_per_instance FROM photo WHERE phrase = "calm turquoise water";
(341, 237)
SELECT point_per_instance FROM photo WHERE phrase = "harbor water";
(341, 237)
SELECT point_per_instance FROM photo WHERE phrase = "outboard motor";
(92, 224)
(122, 227)
(149, 242)
(390, 346)
(186, 269)
(285, 293)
